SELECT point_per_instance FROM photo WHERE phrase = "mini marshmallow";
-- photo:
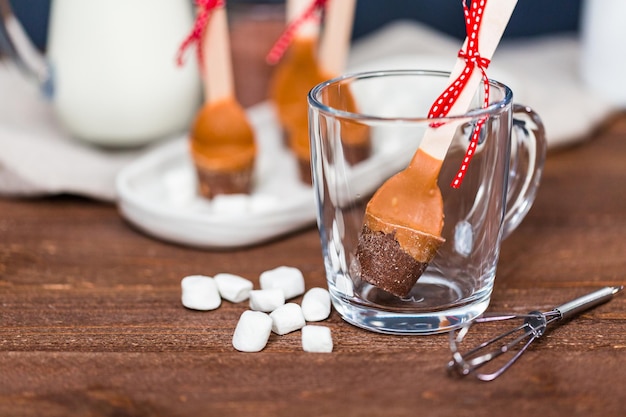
(252, 331)
(233, 287)
(231, 204)
(200, 292)
(316, 339)
(287, 318)
(266, 300)
(316, 304)
(263, 203)
(179, 185)
(287, 278)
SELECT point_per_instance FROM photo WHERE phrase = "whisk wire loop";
(533, 326)
(516, 340)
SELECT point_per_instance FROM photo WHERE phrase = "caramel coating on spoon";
(402, 227)
(293, 78)
(355, 136)
(410, 205)
(223, 148)
(221, 137)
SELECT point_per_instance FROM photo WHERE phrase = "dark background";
(530, 18)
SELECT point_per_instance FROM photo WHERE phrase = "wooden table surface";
(91, 322)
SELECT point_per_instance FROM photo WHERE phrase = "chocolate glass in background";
(263, 21)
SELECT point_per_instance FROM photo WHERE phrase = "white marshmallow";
(233, 287)
(180, 185)
(252, 331)
(266, 300)
(263, 203)
(231, 204)
(316, 339)
(316, 304)
(200, 292)
(287, 318)
(287, 278)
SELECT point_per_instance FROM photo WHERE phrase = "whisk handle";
(588, 301)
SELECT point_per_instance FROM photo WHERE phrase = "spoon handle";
(495, 18)
(217, 65)
(335, 43)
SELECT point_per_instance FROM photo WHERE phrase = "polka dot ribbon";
(473, 60)
(205, 7)
(281, 45)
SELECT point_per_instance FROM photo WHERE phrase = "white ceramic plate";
(157, 192)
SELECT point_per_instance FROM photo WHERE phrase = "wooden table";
(91, 322)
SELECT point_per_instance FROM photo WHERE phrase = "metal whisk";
(491, 354)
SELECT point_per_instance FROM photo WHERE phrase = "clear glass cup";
(497, 192)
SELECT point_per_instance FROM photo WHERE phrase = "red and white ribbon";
(204, 10)
(283, 42)
(473, 60)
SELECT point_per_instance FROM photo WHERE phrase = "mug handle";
(15, 43)
(528, 154)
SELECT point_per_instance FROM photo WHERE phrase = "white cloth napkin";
(37, 157)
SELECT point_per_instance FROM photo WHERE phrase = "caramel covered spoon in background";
(333, 55)
(291, 81)
(222, 140)
(404, 219)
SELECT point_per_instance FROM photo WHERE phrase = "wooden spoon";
(403, 220)
(335, 40)
(222, 140)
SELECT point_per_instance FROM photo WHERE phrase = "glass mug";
(498, 190)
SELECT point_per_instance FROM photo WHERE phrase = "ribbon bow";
(473, 60)
(205, 7)
(286, 37)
